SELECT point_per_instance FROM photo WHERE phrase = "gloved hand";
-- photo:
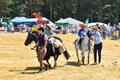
(81, 37)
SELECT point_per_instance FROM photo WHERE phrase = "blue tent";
(20, 20)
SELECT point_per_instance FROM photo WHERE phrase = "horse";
(33, 36)
(85, 45)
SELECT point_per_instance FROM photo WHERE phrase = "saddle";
(59, 45)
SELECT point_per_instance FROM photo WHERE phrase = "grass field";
(18, 62)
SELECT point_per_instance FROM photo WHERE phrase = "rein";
(30, 45)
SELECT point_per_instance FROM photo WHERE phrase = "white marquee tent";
(72, 21)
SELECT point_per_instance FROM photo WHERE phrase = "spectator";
(65, 30)
(24, 28)
(8, 28)
(76, 29)
(12, 29)
(119, 32)
(79, 28)
(103, 29)
(115, 35)
(112, 30)
(108, 31)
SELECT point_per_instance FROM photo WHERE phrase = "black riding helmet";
(41, 28)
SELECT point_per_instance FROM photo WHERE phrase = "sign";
(34, 28)
(3, 29)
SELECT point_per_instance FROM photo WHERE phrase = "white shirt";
(97, 37)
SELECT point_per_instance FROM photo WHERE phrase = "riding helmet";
(41, 28)
(83, 25)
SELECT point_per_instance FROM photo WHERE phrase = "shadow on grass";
(78, 64)
(29, 70)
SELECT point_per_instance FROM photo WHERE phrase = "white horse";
(85, 45)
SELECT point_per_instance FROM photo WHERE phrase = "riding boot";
(80, 43)
(46, 66)
(40, 71)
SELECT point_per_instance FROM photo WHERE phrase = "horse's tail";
(66, 54)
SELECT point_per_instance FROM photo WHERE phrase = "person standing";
(108, 31)
(116, 33)
(75, 29)
(104, 31)
(97, 45)
(41, 43)
(8, 28)
(12, 29)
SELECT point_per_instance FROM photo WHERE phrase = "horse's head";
(30, 38)
(90, 34)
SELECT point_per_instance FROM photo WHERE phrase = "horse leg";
(77, 55)
(55, 58)
(83, 56)
(88, 56)
(48, 63)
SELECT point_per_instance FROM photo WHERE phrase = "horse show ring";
(20, 62)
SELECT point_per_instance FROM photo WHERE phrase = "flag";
(86, 21)
(109, 24)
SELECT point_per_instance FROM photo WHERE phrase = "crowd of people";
(105, 31)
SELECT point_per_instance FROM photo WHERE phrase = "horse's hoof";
(49, 66)
(46, 66)
(55, 65)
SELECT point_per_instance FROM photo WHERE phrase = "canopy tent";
(4, 23)
(20, 20)
(61, 21)
(72, 21)
(93, 24)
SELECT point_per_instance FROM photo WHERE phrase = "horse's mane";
(36, 32)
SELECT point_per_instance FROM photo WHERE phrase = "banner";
(86, 21)
(3, 29)
(34, 28)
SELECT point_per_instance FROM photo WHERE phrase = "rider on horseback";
(49, 33)
(82, 32)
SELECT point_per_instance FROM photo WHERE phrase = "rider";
(82, 32)
(41, 43)
(49, 33)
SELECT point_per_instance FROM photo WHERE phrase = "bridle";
(32, 39)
